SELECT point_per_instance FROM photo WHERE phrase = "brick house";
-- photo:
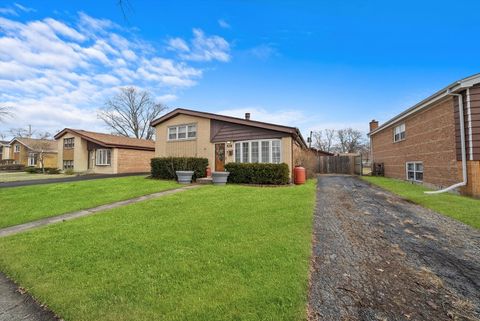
(427, 142)
(224, 139)
(30, 151)
(90, 152)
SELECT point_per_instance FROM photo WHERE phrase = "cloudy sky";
(310, 64)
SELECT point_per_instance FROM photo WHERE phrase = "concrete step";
(204, 180)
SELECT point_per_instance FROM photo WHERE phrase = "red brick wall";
(134, 161)
(430, 138)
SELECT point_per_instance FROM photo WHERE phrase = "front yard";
(24, 204)
(464, 209)
(213, 253)
(6, 177)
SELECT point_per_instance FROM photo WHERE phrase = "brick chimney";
(247, 116)
(373, 125)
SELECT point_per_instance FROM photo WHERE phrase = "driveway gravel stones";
(378, 257)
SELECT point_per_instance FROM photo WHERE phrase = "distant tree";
(4, 113)
(130, 112)
(21, 132)
(40, 148)
(324, 140)
(350, 140)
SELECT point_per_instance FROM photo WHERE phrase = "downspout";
(463, 149)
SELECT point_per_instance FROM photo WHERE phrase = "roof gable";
(36, 145)
(110, 141)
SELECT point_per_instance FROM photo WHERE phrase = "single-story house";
(4, 150)
(29, 151)
(91, 152)
(224, 139)
(436, 141)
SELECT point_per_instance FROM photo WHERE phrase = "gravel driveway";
(377, 257)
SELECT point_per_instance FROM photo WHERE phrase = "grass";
(28, 203)
(213, 253)
(23, 176)
(462, 208)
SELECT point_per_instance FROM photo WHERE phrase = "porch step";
(204, 180)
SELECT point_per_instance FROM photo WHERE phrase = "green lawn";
(24, 204)
(462, 208)
(213, 253)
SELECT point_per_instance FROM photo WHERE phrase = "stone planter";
(184, 177)
(220, 178)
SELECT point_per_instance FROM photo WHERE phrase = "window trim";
(108, 158)
(69, 145)
(415, 171)
(186, 132)
(69, 166)
(32, 156)
(15, 148)
(270, 148)
(400, 133)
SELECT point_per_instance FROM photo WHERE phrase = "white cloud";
(57, 74)
(201, 47)
(8, 11)
(23, 8)
(264, 51)
(223, 23)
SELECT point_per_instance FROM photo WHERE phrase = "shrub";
(52, 171)
(258, 173)
(31, 170)
(69, 172)
(165, 167)
(12, 167)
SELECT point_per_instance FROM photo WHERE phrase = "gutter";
(462, 144)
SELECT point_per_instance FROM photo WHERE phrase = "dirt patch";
(377, 257)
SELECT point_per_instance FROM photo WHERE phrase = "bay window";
(258, 151)
(103, 157)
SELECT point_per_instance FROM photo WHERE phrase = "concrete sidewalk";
(73, 215)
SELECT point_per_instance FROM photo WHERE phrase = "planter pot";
(220, 178)
(184, 177)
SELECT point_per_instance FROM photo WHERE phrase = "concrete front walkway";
(73, 215)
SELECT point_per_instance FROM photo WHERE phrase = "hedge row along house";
(98, 153)
(31, 152)
(435, 142)
(224, 139)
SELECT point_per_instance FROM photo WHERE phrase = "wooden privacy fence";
(351, 165)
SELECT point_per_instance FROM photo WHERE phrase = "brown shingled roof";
(36, 145)
(108, 140)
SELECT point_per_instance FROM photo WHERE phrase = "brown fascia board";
(286, 129)
(66, 130)
(429, 101)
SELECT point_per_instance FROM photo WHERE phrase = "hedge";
(258, 173)
(165, 167)
(12, 167)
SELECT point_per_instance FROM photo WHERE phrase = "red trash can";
(299, 175)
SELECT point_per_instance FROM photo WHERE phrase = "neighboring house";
(29, 152)
(4, 150)
(225, 139)
(85, 151)
(424, 143)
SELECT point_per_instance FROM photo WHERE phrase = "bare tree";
(21, 132)
(4, 113)
(40, 148)
(350, 140)
(130, 112)
(324, 140)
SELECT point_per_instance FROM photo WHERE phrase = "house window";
(16, 148)
(68, 164)
(399, 133)
(68, 143)
(182, 132)
(414, 171)
(32, 159)
(103, 157)
(263, 151)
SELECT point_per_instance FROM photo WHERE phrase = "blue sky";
(310, 64)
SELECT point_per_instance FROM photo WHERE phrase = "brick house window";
(182, 132)
(68, 143)
(68, 164)
(414, 171)
(263, 151)
(103, 157)
(17, 148)
(399, 133)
